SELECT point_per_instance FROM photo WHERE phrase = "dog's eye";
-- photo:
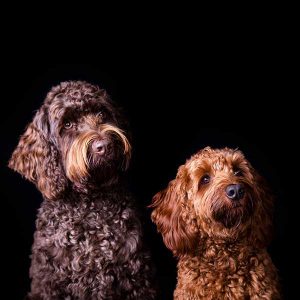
(68, 124)
(237, 172)
(205, 179)
(100, 114)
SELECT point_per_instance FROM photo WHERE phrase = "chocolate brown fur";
(88, 239)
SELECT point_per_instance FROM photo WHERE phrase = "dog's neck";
(87, 191)
(86, 188)
(211, 249)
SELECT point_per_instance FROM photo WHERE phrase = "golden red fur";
(220, 242)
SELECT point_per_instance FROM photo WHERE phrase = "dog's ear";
(262, 231)
(174, 216)
(37, 158)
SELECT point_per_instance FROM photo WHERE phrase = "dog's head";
(77, 137)
(216, 194)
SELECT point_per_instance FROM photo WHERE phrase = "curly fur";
(220, 243)
(88, 238)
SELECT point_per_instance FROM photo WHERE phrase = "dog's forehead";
(60, 107)
(83, 101)
(217, 159)
(219, 162)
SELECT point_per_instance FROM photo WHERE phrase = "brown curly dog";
(88, 241)
(215, 216)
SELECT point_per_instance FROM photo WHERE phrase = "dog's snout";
(235, 191)
(99, 146)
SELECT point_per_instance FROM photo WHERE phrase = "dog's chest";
(84, 234)
(225, 276)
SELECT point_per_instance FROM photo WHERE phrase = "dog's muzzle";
(98, 142)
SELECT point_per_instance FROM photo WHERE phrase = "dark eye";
(100, 114)
(237, 172)
(205, 179)
(68, 124)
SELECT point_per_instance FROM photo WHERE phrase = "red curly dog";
(216, 217)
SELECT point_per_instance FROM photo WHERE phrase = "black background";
(178, 97)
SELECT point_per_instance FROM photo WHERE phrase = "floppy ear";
(262, 231)
(174, 216)
(37, 158)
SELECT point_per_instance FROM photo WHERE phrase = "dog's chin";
(232, 214)
(102, 171)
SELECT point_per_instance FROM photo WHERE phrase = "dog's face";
(91, 143)
(217, 193)
(222, 187)
(75, 137)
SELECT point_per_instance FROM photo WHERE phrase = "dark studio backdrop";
(176, 105)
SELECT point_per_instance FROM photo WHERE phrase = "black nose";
(99, 146)
(235, 191)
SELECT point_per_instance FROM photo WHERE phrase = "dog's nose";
(99, 146)
(235, 191)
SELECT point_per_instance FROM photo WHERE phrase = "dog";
(88, 238)
(216, 218)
